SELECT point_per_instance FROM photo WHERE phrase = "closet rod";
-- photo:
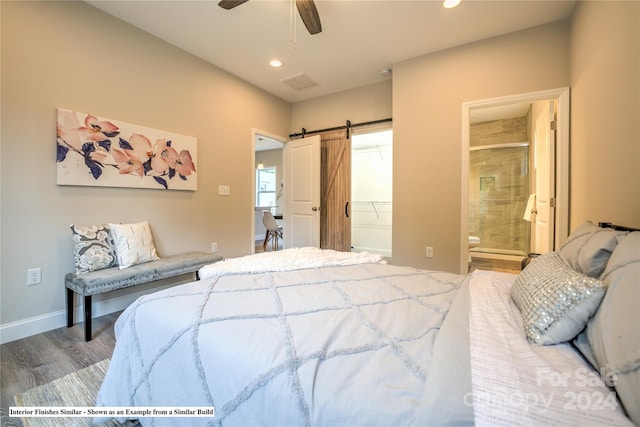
(348, 125)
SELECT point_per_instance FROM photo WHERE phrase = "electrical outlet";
(214, 246)
(429, 252)
(34, 276)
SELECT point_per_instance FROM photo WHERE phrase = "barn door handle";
(346, 210)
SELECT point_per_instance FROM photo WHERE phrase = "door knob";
(314, 208)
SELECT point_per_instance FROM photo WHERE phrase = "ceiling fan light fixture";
(450, 4)
(309, 15)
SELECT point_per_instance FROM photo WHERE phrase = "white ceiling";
(359, 38)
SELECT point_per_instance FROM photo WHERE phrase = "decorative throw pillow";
(589, 247)
(556, 301)
(614, 332)
(92, 249)
(133, 243)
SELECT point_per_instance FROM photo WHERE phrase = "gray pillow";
(92, 249)
(556, 301)
(614, 332)
(589, 247)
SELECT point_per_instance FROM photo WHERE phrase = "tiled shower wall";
(499, 186)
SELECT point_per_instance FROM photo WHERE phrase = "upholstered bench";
(110, 279)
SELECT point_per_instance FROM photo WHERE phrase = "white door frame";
(254, 134)
(544, 149)
(561, 95)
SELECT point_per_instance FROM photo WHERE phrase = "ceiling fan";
(306, 9)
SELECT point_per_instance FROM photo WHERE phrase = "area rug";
(79, 388)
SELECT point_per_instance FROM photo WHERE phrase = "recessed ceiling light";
(275, 63)
(450, 4)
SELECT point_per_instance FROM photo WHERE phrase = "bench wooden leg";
(87, 313)
(87, 318)
(69, 308)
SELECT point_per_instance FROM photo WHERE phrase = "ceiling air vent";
(299, 82)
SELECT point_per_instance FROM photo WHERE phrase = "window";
(266, 187)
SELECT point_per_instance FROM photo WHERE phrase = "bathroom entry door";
(544, 155)
(302, 193)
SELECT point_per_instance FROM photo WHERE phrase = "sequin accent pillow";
(556, 301)
(133, 243)
(92, 249)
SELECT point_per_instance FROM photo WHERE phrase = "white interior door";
(301, 222)
(544, 164)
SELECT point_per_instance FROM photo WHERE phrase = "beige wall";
(67, 54)
(596, 53)
(428, 93)
(605, 113)
(426, 101)
(359, 105)
(70, 55)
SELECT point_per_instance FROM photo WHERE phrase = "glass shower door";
(498, 194)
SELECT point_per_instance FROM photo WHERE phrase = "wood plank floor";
(42, 358)
(268, 248)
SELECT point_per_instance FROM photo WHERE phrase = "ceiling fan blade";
(309, 14)
(230, 4)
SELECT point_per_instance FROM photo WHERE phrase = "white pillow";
(614, 332)
(133, 243)
(589, 247)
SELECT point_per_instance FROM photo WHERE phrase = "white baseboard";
(38, 324)
(23, 328)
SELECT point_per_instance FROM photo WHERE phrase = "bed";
(309, 337)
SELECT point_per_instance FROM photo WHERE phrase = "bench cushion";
(110, 279)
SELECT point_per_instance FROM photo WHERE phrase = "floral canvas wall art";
(96, 151)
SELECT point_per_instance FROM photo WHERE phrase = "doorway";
(500, 177)
(372, 192)
(267, 182)
(376, 144)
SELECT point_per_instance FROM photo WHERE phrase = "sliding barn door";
(335, 220)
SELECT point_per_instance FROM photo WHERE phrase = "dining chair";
(274, 231)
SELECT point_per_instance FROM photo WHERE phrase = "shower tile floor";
(504, 266)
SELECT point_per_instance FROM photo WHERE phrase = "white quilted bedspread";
(334, 345)
(287, 259)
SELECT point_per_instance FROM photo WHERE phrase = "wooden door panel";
(335, 224)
